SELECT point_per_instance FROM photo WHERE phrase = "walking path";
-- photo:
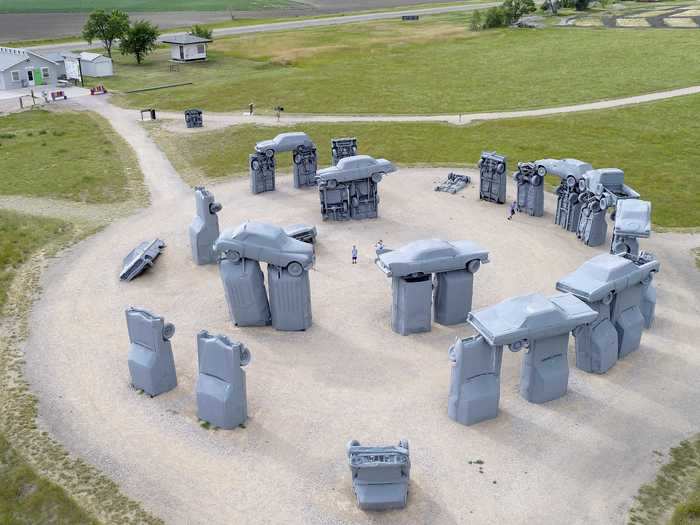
(219, 120)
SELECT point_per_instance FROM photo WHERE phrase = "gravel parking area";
(579, 459)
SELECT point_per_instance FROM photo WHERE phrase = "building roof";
(185, 39)
(92, 57)
(11, 56)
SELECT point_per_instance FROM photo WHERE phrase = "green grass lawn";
(27, 498)
(435, 65)
(675, 493)
(20, 236)
(655, 144)
(67, 155)
(63, 6)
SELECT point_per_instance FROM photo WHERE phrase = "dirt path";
(579, 459)
(222, 120)
(66, 210)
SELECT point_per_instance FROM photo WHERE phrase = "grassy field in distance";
(636, 139)
(434, 66)
(65, 6)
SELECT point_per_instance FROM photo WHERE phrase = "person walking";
(512, 209)
(379, 246)
(354, 254)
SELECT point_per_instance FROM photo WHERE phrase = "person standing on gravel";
(354, 254)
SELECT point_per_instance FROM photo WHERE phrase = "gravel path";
(221, 120)
(67, 210)
(579, 459)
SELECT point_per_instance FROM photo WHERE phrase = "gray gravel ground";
(579, 459)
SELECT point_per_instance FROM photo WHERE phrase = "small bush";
(476, 23)
(495, 17)
(30, 134)
(7, 135)
(201, 31)
(43, 132)
(515, 9)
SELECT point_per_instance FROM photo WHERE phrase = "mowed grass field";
(20, 236)
(68, 155)
(655, 144)
(64, 6)
(27, 498)
(433, 66)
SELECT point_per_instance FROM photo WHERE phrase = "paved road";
(293, 24)
(220, 120)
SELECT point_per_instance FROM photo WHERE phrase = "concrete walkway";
(220, 120)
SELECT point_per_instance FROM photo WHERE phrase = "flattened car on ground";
(141, 258)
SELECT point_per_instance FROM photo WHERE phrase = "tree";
(106, 27)
(475, 24)
(514, 9)
(582, 5)
(140, 40)
(201, 31)
(495, 17)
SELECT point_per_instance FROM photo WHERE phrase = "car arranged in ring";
(432, 256)
(266, 243)
(356, 167)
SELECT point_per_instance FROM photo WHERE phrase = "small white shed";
(96, 65)
(187, 48)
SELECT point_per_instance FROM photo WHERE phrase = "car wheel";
(571, 182)
(608, 298)
(255, 165)
(536, 180)
(168, 331)
(473, 266)
(297, 159)
(500, 168)
(233, 256)
(603, 203)
(332, 183)
(215, 207)
(270, 153)
(541, 171)
(582, 185)
(377, 177)
(295, 269)
(517, 346)
(245, 356)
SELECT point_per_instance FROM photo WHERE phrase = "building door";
(30, 77)
(182, 53)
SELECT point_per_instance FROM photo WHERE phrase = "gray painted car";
(284, 142)
(141, 258)
(267, 243)
(633, 218)
(571, 170)
(432, 256)
(354, 168)
(608, 182)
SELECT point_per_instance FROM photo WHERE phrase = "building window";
(45, 72)
(200, 49)
(15, 76)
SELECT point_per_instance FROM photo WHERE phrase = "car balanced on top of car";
(354, 168)
(266, 243)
